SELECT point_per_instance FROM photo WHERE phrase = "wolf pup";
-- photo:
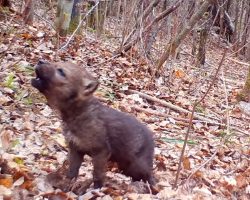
(92, 128)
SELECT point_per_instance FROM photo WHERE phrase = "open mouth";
(39, 82)
(37, 78)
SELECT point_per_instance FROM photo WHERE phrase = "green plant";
(172, 140)
(110, 96)
(29, 70)
(9, 81)
(28, 101)
(15, 143)
(23, 96)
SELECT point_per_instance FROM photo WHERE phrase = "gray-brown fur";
(93, 128)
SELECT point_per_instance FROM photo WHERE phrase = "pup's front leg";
(100, 164)
(75, 160)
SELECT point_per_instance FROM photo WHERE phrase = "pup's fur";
(92, 128)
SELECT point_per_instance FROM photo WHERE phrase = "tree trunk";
(140, 19)
(158, 18)
(28, 13)
(118, 8)
(201, 56)
(191, 8)
(75, 16)
(246, 28)
(111, 8)
(241, 20)
(248, 50)
(228, 5)
(245, 93)
(248, 33)
(235, 34)
(96, 19)
(63, 16)
(171, 48)
(222, 11)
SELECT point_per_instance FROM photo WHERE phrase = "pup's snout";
(40, 62)
(44, 70)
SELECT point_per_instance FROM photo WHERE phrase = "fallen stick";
(170, 105)
(153, 112)
(239, 62)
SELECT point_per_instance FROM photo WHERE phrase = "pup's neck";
(76, 108)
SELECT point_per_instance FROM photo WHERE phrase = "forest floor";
(216, 164)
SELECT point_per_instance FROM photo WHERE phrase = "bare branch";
(171, 48)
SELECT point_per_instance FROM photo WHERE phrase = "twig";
(129, 44)
(192, 116)
(79, 25)
(214, 154)
(170, 49)
(149, 189)
(240, 131)
(153, 112)
(226, 99)
(141, 18)
(13, 64)
(7, 49)
(202, 165)
(169, 105)
(45, 20)
(239, 62)
(111, 58)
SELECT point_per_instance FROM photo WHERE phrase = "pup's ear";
(90, 85)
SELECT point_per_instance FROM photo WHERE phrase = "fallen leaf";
(241, 181)
(134, 196)
(204, 191)
(19, 181)
(5, 139)
(26, 36)
(179, 73)
(186, 163)
(4, 191)
(6, 180)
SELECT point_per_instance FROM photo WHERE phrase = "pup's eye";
(61, 72)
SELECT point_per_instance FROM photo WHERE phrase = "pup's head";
(63, 82)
